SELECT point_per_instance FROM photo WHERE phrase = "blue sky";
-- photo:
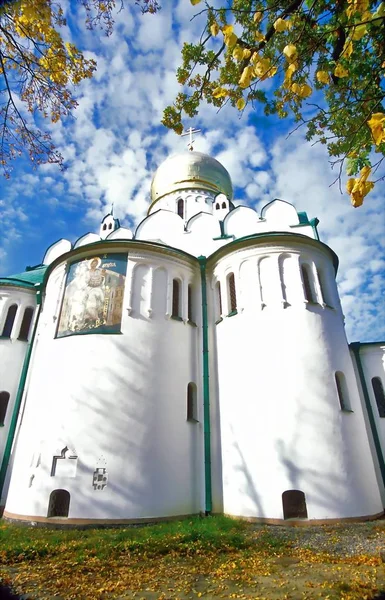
(114, 142)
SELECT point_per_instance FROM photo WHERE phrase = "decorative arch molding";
(155, 222)
(88, 238)
(56, 249)
(204, 222)
(241, 221)
(280, 211)
(122, 233)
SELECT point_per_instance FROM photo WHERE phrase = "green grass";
(20, 543)
(214, 557)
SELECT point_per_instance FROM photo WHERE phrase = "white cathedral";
(198, 365)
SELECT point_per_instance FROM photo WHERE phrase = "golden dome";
(190, 170)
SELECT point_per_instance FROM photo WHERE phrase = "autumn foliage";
(323, 64)
(38, 71)
(214, 557)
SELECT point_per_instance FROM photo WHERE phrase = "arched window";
(379, 395)
(223, 204)
(294, 505)
(307, 284)
(59, 504)
(26, 324)
(232, 295)
(176, 298)
(190, 303)
(9, 321)
(104, 226)
(180, 206)
(218, 300)
(110, 226)
(342, 390)
(4, 399)
(217, 206)
(192, 412)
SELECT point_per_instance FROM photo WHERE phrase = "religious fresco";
(93, 297)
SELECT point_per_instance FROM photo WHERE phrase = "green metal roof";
(28, 279)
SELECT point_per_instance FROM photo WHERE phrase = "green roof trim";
(30, 278)
(303, 218)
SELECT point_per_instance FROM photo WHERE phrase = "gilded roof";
(190, 170)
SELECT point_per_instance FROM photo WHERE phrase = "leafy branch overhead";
(324, 63)
(38, 70)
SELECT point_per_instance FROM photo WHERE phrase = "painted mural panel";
(93, 297)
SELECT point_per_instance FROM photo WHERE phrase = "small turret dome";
(190, 170)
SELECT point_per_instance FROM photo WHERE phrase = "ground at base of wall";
(203, 558)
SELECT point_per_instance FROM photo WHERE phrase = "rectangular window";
(175, 298)
(232, 294)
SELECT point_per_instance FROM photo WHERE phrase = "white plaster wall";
(117, 401)
(195, 201)
(12, 353)
(373, 364)
(281, 423)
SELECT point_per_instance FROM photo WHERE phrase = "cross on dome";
(190, 131)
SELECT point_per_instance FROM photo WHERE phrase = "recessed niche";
(65, 464)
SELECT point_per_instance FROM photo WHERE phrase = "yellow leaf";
(280, 25)
(290, 51)
(348, 49)
(322, 76)
(246, 76)
(359, 187)
(227, 29)
(241, 103)
(305, 91)
(246, 53)
(340, 71)
(259, 36)
(238, 53)
(220, 92)
(214, 29)
(230, 38)
(194, 2)
(359, 32)
(377, 127)
(258, 16)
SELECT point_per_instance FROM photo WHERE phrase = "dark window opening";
(9, 321)
(4, 399)
(189, 303)
(309, 295)
(223, 204)
(26, 324)
(232, 293)
(217, 206)
(192, 414)
(181, 208)
(175, 298)
(110, 226)
(379, 395)
(104, 227)
(342, 390)
(59, 504)
(294, 505)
